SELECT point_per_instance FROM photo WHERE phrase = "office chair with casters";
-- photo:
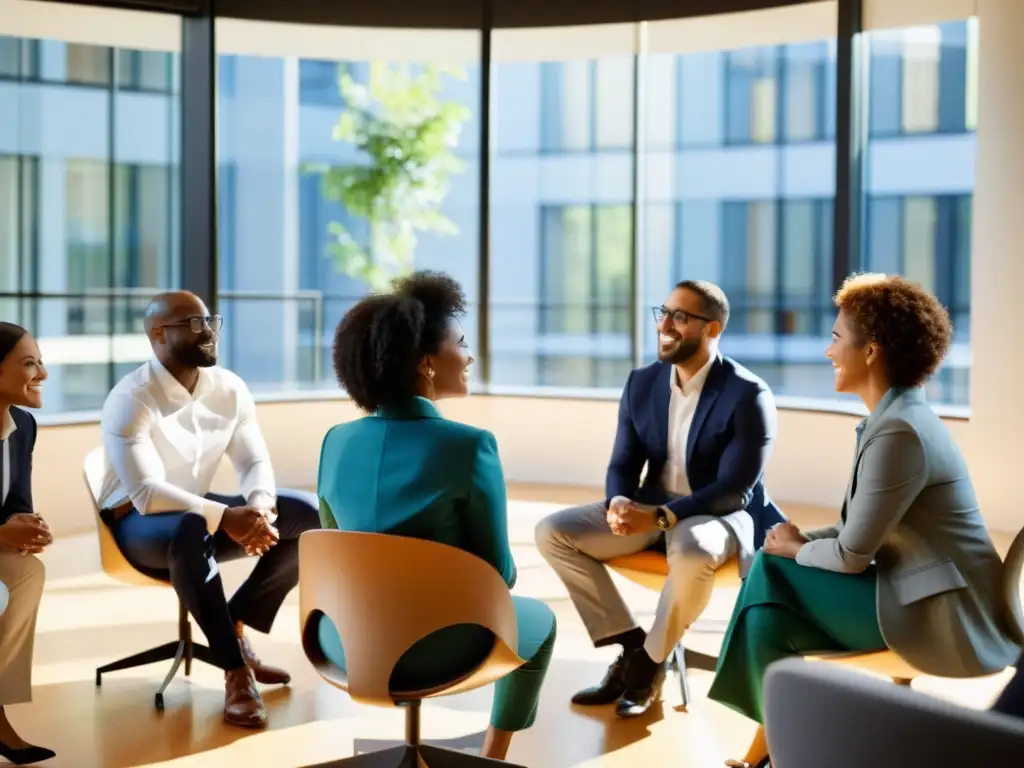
(650, 569)
(117, 567)
(384, 593)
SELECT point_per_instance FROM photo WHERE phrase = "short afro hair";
(908, 323)
(380, 341)
(714, 304)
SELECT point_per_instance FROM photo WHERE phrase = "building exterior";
(736, 169)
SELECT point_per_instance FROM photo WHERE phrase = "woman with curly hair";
(406, 470)
(910, 565)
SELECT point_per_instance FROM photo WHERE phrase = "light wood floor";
(87, 620)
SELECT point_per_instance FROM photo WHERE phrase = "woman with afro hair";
(406, 470)
(909, 566)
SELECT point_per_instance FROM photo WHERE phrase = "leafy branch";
(406, 136)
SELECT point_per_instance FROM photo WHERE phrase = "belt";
(114, 515)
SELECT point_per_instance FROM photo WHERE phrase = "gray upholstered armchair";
(822, 715)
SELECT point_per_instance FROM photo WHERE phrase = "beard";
(191, 355)
(686, 349)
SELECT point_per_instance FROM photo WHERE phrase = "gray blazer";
(911, 509)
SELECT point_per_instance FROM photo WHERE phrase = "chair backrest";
(384, 593)
(1013, 573)
(114, 563)
(823, 715)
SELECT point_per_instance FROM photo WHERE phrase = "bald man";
(166, 427)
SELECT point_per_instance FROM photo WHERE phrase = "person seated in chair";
(406, 470)
(23, 533)
(909, 565)
(703, 426)
(166, 427)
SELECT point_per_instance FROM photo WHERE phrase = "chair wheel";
(160, 702)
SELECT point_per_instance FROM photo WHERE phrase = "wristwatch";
(661, 519)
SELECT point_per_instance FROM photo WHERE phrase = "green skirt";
(786, 609)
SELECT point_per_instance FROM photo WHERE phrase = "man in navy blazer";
(703, 427)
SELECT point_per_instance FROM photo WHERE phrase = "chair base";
(681, 659)
(414, 753)
(422, 756)
(181, 650)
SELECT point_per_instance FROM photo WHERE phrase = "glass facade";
(736, 160)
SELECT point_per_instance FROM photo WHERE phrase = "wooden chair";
(117, 567)
(384, 593)
(899, 671)
(650, 569)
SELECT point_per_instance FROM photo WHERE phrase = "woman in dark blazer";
(909, 566)
(405, 470)
(23, 534)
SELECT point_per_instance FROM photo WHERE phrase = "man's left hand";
(784, 540)
(632, 519)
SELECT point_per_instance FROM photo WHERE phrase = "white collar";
(696, 382)
(171, 385)
(8, 426)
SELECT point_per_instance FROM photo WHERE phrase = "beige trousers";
(577, 541)
(23, 575)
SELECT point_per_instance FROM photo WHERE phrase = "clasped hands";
(251, 527)
(26, 532)
(784, 540)
(629, 518)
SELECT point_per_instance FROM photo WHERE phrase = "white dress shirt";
(682, 405)
(164, 444)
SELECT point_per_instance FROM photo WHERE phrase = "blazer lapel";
(893, 398)
(10, 449)
(662, 396)
(708, 395)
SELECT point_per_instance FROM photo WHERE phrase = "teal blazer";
(408, 471)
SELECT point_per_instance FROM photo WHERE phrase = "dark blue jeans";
(176, 546)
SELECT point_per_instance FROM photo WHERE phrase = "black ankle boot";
(27, 755)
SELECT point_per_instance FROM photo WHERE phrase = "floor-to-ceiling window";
(89, 200)
(726, 173)
(919, 172)
(304, 121)
(740, 179)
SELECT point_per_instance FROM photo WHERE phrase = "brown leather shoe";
(263, 673)
(242, 703)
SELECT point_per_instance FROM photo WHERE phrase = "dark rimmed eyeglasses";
(679, 316)
(197, 323)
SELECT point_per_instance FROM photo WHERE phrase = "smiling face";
(22, 374)
(683, 328)
(849, 356)
(450, 364)
(186, 335)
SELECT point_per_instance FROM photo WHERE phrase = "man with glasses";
(703, 427)
(166, 427)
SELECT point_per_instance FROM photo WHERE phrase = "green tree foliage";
(407, 138)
